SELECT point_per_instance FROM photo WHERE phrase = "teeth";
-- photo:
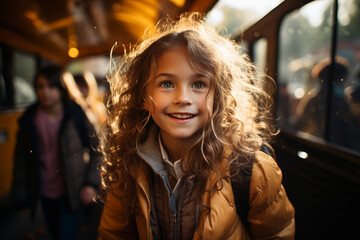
(182, 116)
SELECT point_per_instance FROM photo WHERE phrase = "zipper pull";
(175, 230)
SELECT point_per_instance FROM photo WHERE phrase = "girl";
(187, 115)
(49, 164)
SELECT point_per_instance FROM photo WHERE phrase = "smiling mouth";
(182, 116)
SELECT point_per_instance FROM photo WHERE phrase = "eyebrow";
(170, 75)
(164, 75)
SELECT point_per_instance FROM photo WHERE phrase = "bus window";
(236, 16)
(244, 47)
(260, 50)
(348, 47)
(24, 72)
(304, 40)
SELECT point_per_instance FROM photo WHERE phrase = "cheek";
(40, 92)
(56, 93)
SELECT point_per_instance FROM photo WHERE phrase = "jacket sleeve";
(271, 215)
(93, 172)
(92, 143)
(20, 181)
(115, 223)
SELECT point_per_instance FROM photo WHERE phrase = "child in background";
(187, 115)
(48, 161)
(83, 89)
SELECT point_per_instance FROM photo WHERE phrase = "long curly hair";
(241, 121)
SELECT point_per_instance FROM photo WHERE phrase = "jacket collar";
(150, 152)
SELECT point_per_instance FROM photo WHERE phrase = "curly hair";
(241, 121)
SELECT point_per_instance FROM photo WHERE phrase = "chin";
(184, 136)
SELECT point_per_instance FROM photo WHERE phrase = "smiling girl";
(187, 116)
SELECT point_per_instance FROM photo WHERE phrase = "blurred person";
(49, 159)
(354, 100)
(313, 114)
(354, 128)
(84, 90)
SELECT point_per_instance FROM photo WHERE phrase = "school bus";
(320, 164)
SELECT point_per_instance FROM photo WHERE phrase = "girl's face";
(48, 96)
(179, 97)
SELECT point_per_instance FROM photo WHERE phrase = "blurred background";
(317, 113)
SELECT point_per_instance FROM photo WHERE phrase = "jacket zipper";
(174, 214)
(186, 187)
(175, 221)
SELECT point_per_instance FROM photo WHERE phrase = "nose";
(183, 96)
(45, 90)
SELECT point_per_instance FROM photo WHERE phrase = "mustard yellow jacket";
(271, 215)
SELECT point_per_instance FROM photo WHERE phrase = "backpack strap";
(241, 193)
(241, 190)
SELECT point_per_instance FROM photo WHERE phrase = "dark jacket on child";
(76, 134)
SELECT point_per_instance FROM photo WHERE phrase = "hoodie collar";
(150, 151)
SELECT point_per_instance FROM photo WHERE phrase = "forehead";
(173, 56)
(176, 59)
(42, 80)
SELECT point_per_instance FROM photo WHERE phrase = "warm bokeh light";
(73, 52)
(31, 15)
(178, 3)
(72, 38)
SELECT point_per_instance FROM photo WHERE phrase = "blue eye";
(198, 85)
(166, 84)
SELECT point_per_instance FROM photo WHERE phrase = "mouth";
(182, 116)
